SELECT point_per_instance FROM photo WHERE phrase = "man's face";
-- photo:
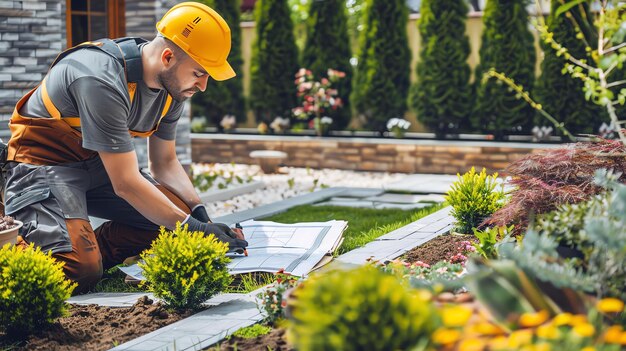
(183, 78)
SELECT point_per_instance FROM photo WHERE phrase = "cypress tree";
(508, 47)
(225, 98)
(441, 95)
(560, 94)
(328, 46)
(274, 61)
(381, 83)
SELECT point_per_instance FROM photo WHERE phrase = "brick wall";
(391, 155)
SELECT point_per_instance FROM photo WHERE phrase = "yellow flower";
(562, 319)
(456, 316)
(471, 344)
(610, 305)
(578, 319)
(584, 330)
(548, 331)
(542, 346)
(498, 343)
(589, 348)
(533, 319)
(486, 328)
(622, 338)
(446, 336)
(520, 337)
(536, 347)
(613, 334)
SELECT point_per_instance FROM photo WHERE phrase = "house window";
(94, 19)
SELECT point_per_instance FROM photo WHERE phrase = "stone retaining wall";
(391, 155)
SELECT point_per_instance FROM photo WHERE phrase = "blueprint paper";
(296, 248)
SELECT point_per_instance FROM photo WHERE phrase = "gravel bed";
(292, 181)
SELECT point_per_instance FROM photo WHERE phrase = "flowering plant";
(228, 122)
(262, 128)
(279, 124)
(398, 126)
(272, 301)
(317, 97)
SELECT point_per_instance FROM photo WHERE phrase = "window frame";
(115, 17)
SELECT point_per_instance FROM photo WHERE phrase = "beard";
(168, 81)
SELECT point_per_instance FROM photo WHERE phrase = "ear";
(167, 57)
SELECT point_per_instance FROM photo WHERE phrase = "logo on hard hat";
(190, 27)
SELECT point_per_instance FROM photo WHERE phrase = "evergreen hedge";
(560, 94)
(508, 47)
(274, 62)
(442, 96)
(225, 98)
(381, 82)
(328, 46)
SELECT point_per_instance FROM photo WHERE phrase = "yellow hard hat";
(202, 33)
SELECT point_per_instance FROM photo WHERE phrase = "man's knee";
(86, 273)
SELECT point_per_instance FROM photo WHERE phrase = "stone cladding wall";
(32, 34)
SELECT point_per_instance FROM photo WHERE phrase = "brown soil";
(275, 341)
(94, 327)
(438, 249)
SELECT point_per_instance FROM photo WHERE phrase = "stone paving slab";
(403, 207)
(361, 192)
(355, 203)
(396, 198)
(129, 299)
(422, 184)
(108, 299)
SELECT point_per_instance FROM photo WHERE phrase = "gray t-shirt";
(91, 84)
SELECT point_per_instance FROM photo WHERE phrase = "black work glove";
(221, 231)
(199, 212)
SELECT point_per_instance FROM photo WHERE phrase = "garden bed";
(438, 249)
(94, 327)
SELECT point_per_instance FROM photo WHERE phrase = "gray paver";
(395, 198)
(404, 207)
(423, 184)
(108, 299)
(355, 203)
(361, 192)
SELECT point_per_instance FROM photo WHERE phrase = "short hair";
(178, 52)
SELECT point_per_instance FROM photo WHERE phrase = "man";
(71, 153)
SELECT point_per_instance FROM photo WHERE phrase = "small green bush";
(362, 309)
(185, 268)
(473, 198)
(33, 289)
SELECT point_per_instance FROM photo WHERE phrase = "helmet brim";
(222, 72)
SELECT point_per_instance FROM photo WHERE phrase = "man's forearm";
(152, 203)
(174, 178)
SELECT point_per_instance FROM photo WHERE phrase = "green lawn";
(364, 224)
